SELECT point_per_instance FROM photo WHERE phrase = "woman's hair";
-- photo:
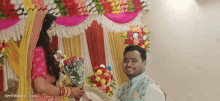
(44, 41)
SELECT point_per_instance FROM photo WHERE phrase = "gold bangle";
(65, 91)
(69, 91)
(61, 91)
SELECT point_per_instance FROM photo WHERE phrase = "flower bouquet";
(102, 78)
(3, 54)
(74, 68)
(137, 35)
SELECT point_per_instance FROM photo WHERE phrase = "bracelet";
(61, 92)
(65, 91)
(69, 91)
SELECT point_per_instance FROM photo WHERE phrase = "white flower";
(46, 2)
(135, 35)
(96, 12)
(58, 14)
(1, 55)
(55, 56)
(59, 51)
(51, 11)
(21, 16)
(94, 9)
(19, 1)
(103, 66)
(16, 6)
(51, 2)
(57, 10)
(54, 6)
(145, 37)
(13, 1)
(26, 16)
(92, 5)
(108, 84)
(22, 6)
(88, 8)
(64, 76)
(19, 11)
(25, 11)
(87, 3)
(49, 7)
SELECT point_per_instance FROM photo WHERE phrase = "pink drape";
(5, 24)
(71, 21)
(123, 17)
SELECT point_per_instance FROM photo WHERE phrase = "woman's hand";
(77, 92)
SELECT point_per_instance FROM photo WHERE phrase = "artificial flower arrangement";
(102, 78)
(137, 35)
(3, 54)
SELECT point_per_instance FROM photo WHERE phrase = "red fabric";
(95, 41)
(1, 80)
(54, 44)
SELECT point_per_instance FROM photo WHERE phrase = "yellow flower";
(64, 56)
(134, 29)
(143, 46)
(110, 0)
(146, 43)
(60, 65)
(124, 33)
(114, 12)
(1, 41)
(32, 6)
(27, 7)
(92, 73)
(99, 71)
(97, 79)
(118, 7)
(111, 72)
(135, 41)
(3, 50)
(109, 80)
(103, 81)
(116, 2)
(94, 85)
(113, 4)
(110, 89)
(145, 30)
(67, 80)
(103, 86)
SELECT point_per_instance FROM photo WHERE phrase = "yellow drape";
(72, 46)
(24, 79)
(117, 49)
(13, 56)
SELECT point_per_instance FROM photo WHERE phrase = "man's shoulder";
(155, 89)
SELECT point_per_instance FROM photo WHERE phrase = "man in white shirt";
(139, 86)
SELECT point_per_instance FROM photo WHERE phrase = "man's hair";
(139, 49)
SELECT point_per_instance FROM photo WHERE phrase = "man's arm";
(154, 93)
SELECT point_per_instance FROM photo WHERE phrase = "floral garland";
(3, 52)
(14, 9)
(137, 35)
(102, 78)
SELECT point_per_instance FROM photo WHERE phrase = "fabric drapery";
(117, 49)
(72, 46)
(25, 53)
(95, 41)
(5, 24)
(122, 17)
(54, 44)
(1, 80)
(71, 20)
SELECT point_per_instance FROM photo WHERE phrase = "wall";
(185, 48)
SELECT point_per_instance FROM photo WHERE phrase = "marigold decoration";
(102, 77)
(3, 52)
(137, 35)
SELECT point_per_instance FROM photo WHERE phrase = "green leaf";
(6, 50)
(1, 60)
(148, 51)
(89, 78)
(114, 83)
(112, 86)
(4, 54)
(113, 79)
(89, 82)
(110, 92)
(148, 46)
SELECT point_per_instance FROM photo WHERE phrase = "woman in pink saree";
(45, 72)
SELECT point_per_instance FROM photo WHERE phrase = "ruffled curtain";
(5, 24)
(95, 41)
(117, 49)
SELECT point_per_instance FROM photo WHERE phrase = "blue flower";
(109, 68)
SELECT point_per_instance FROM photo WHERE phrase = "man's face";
(133, 64)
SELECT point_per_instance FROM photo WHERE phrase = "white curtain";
(8, 74)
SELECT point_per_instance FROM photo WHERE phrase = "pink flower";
(111, 83)
(0, 45)
(130, 33)
(130, 38)
(140, 35)
(62, 70)
(96, 74)
(147, 36)
(104, 91)
(59, 56)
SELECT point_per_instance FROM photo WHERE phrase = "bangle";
(60, 91)
(69, 91)
(65, 91)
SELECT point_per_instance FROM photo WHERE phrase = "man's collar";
(137, 78)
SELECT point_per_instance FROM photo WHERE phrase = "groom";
(139, 87)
